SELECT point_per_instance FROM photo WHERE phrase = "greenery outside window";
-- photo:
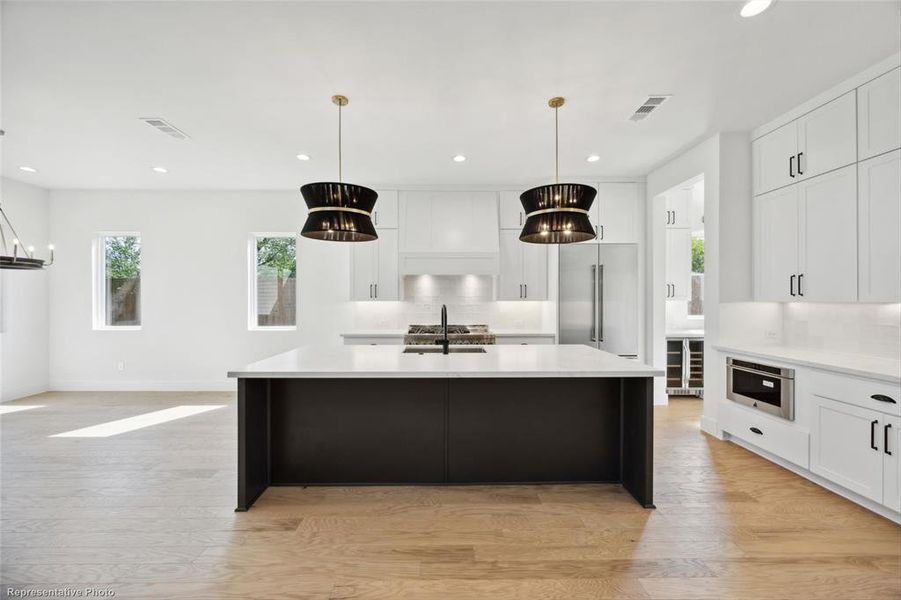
(273, 281)
(696, 299)
(117, 275)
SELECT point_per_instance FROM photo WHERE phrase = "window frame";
(252, 323)
(697, 318)
(98, 273)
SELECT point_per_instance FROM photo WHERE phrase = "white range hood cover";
(449, 233)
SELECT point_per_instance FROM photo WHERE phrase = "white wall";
(23, 297)
(725, 162)
(194, 290)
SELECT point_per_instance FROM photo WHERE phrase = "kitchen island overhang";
(371, 415)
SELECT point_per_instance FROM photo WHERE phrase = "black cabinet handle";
(873, 425)
(757, 431)
(791, 285)
(525, 288)
(885, 439)
(883, 398)
(800, 154)
(602, 232)
(800, 279)
(674, 217)
(791, 166)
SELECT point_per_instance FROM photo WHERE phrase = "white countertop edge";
(443, 374)
(891, 373)
(399, 333)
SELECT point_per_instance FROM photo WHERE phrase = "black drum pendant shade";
(557, 213)
(338, 211)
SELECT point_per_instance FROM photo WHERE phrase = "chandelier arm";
(11, 228)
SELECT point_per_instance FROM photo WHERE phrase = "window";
(117, 270)
(273, 281)
(696, 300)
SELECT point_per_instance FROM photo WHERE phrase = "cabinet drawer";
(856, 391)
(781, 438)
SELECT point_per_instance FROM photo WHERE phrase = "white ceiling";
(251, 82)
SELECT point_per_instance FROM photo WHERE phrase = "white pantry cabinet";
(879, 115)
(678, 264)
(523, 268)
(820, 141)
(879, 216)
(373, 268)
(384, 215)
(805, 242)
(512, 215)
(616, 216)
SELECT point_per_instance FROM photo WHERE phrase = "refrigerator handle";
(600, 302)
(594, 303)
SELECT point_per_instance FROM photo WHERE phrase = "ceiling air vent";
(166, 127)
(649, 106)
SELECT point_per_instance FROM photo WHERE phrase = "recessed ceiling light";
(752, 8)
(303, 157)
(593, 158)
(459, 158)
(160, 170)
(28, 169)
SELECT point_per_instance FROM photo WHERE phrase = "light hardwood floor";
(149, 514)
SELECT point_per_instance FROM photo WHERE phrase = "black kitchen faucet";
(444, 342)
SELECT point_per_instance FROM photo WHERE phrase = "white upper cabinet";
(445, 222)
(384, 215)
(617, 216)
(827, 137)
(523, 269)
(774, 158)
(678, 209)
(820, 141)
(805, 240)
(512, 215)
(678, 264)
(879, 216)
(879, 115)
(373, 268)
(776, 245)
(827, 240)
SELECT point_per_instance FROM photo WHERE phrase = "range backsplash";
(469, 299)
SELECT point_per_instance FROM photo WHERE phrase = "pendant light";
(557, 213)
(338, 211)
(20, 262)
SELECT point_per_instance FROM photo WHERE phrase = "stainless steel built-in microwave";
(764, 387)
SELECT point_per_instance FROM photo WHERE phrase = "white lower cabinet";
(845, 446)
(854, 435)
(373, 268)
(784, 439)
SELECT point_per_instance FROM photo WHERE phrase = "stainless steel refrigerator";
(598, 301)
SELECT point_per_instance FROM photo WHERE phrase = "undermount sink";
(437, 350)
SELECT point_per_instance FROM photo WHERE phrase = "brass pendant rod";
(556, 146)
(340, 174)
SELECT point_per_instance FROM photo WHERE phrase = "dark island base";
(444, 432)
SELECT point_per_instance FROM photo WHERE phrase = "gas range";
(477, 335)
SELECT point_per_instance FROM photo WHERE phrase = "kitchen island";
(374, 415)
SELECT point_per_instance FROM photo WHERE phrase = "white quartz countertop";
(685, 333)
(497, 361)
(395, 333)
(861, 365)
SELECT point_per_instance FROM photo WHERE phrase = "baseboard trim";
(227, 385)
(709, 426)
(875, 507)
(23, 393)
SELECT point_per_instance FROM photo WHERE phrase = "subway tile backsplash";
(469, 300)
